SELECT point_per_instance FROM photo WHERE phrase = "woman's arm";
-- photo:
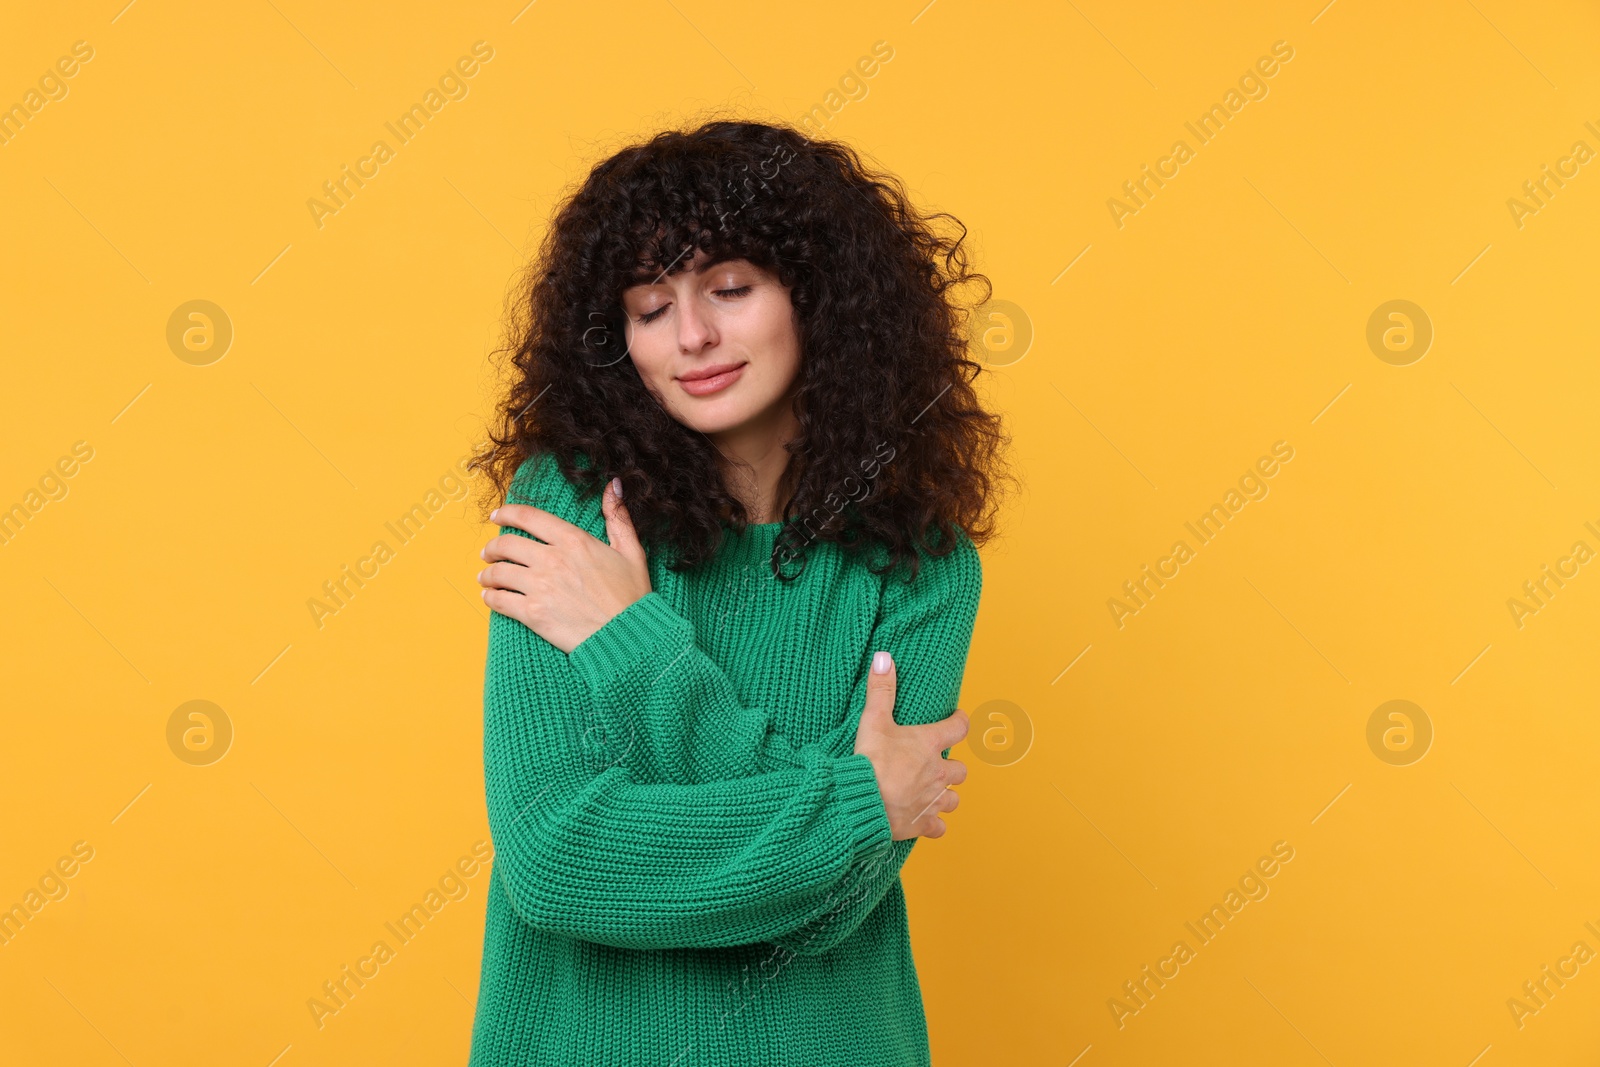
(587, 851)
(928, 624)
(681, 716)
(670, 696)
(646, 672)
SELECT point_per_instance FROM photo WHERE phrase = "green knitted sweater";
(692, 867)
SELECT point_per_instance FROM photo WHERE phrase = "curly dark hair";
(884, 401)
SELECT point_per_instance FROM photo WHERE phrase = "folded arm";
(675, 716)
(586, 850)
(680, 707)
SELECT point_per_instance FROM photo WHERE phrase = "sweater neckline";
(768, 526)
(763, 530)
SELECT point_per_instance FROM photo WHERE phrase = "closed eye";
(651, 316)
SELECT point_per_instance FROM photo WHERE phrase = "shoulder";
(540, 482)
(955, 577)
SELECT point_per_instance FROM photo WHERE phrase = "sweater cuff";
(861, 812)
(627, 641)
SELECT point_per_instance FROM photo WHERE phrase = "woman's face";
(730, 317)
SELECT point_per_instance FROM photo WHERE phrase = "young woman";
(745, 475)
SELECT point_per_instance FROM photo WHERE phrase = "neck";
(755, 464)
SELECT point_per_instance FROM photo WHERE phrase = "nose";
(696, 331)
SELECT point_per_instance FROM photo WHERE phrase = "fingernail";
(616, 487)
(494, 516)
(880, 663)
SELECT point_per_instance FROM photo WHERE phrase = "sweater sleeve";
(645, 671)
(677, 703)
(927, 626)
(586, 850)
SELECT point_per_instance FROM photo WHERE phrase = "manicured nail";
(616, 487)
(880, 663)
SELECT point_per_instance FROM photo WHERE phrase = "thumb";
(620, 533)
(879, 711)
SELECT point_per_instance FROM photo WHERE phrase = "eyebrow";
(646, 277)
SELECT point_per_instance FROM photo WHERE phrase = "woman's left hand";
(568, 583)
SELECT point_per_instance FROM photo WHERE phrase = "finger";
(620, 533)
(935, 828)
(879, 710)
(508, 576)
(955, 772)
(949, 731)
(931, 805)
(541, 524)
(949, 800)
(511, 547)
(508, 604)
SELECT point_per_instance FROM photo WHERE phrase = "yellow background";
(1229, 313)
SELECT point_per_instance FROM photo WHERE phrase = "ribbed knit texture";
(692, 867)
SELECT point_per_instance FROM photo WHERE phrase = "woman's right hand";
(913, 778)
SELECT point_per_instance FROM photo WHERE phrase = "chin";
(715, 422)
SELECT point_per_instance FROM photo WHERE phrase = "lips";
(707, 380)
